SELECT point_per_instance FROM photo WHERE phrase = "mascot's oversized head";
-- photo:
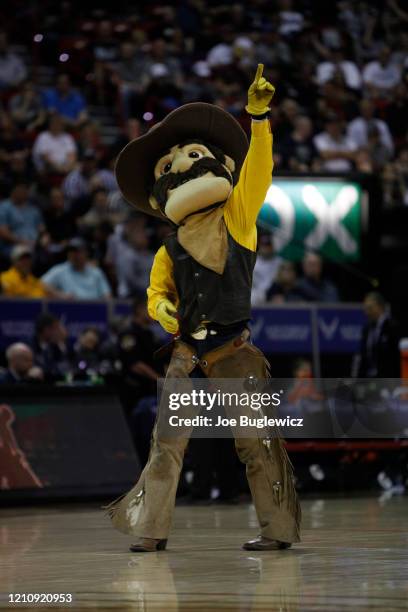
(186, 164)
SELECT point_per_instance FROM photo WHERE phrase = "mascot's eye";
(194, 154)
(166, 168)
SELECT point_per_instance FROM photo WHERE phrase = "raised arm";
(245, 202)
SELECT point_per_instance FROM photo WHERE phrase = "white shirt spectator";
(324, 142)
(220, 55)
(265, 271)
(290, 22)
(57, 147)
(357, 130)
(351, 74)
(383, 77)
(76, 185)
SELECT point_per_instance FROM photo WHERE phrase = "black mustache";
(172, 180)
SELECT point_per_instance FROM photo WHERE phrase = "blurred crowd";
(341, 76)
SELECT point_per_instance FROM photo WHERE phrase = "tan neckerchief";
(204, 237)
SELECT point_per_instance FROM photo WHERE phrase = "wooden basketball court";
(354, 556)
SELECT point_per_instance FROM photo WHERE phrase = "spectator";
(51, 349)
(88, 354)
(19, 281)
(303, 387)
(336, 150)
(12, 68)
(396, 113)
(60, 223)
(132, 78)
(77, 277)
(120, 246)
(66, 102)
(291, 22)
(82, 180)
(20, 221)
(134, 273)
(358, 129)
(313, 287)
(382, 75)
(284, 289)
(101, 211)
(298, 150)
(337, 62)
(379, 352)
(12, 145)
(54, 150)
(266, 268)
(20, 366)
(26, 108)
(378, 152)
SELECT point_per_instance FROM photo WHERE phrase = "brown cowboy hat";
(134, 166)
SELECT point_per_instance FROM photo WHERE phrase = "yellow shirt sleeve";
(162, 283)
(242, 207)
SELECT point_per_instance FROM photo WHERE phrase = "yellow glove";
(260, 94)
(164, 310)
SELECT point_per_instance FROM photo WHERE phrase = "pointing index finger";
(259, 72)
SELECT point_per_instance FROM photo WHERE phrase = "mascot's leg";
(146, 511)
(268, 468)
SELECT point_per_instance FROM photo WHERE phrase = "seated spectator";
(290, 21)
(382, 75)
(266, 268)
(90, 138)
(20, 366)
(336, 150)
(85, 178)
(303, 386)
(60, 223)
(358, 129)
(77, 277)
(337, 62)
(88, 354)
(18, 281)
(119, 243)
(132, 129)
(100, 211)
(379, 352)
(26, 108)
(379, 154)
(66, 101)
(12, 68)
(54, 150)
(12, 145)
(134, 265)
(284, 289)
(298, 150)
(312, 286)
(20, 221)
(50, 347)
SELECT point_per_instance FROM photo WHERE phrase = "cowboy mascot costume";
(196, 170)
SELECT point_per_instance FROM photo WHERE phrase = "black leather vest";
(207, 296)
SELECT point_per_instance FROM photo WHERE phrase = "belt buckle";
(200, 333)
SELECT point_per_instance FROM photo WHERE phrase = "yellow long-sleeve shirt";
(240, 212)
